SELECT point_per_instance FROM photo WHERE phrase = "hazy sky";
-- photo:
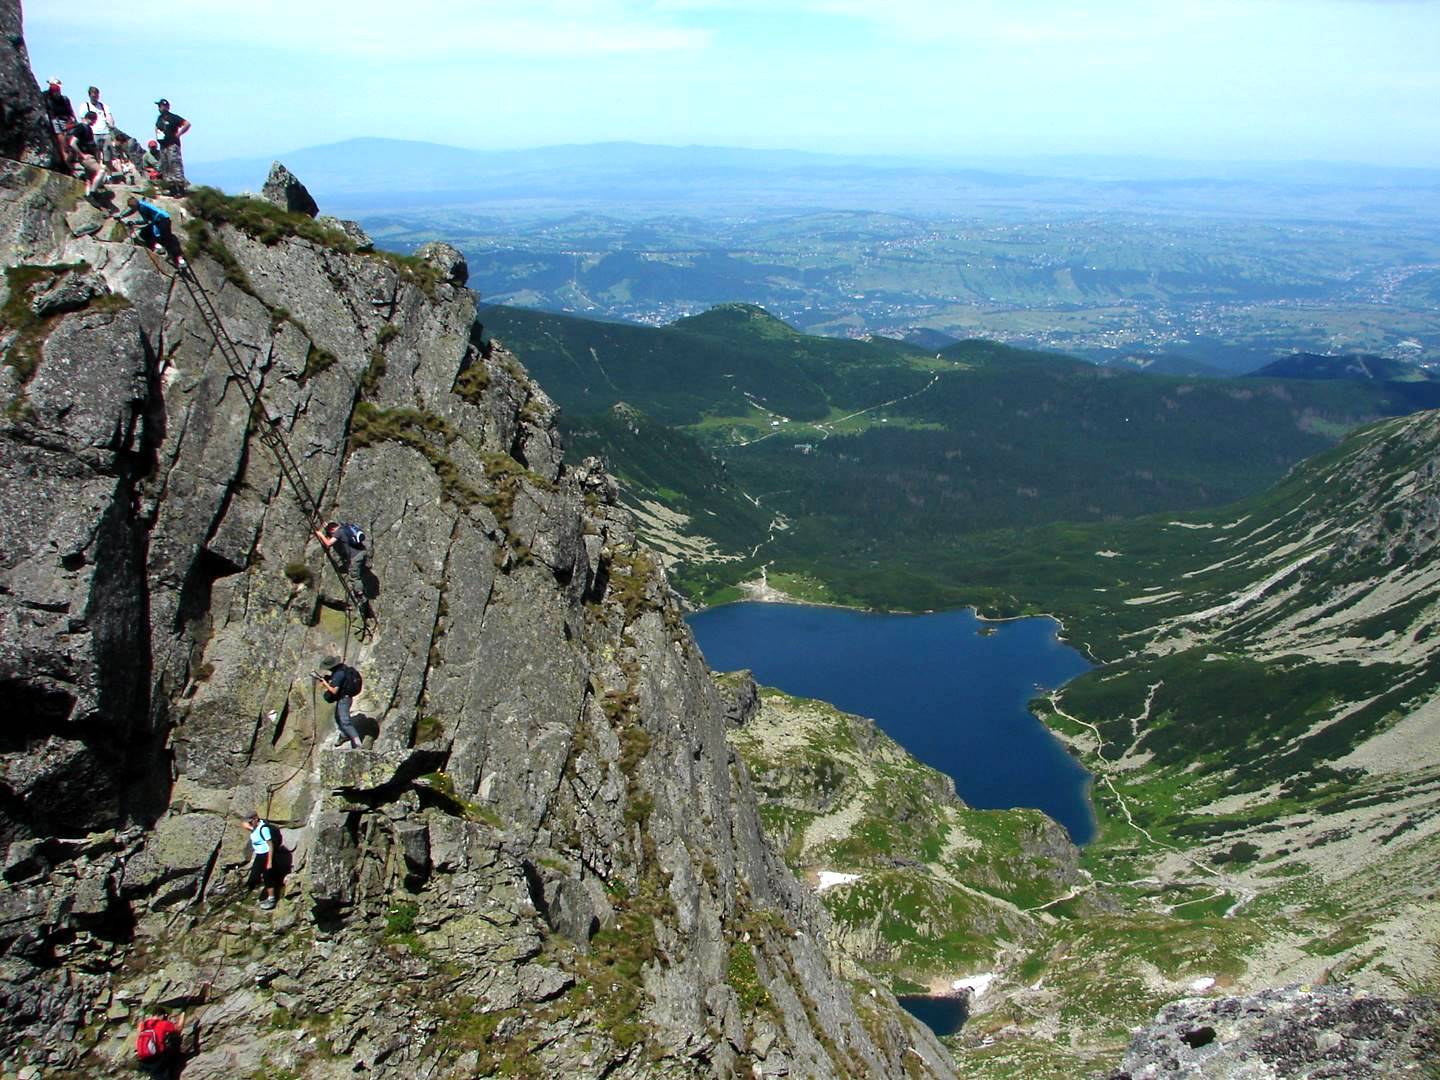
(1340, 80)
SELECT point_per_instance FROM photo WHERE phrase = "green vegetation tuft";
(316, 361)
(744, 978)
(262, 219)
(30, 330)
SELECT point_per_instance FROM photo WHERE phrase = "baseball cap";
(164, 102)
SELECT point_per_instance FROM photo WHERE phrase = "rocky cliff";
(546, 860)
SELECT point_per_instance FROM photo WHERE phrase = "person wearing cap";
(169, 126)
(103, 125)
(62, 116)
(150, 160)
(341, 685)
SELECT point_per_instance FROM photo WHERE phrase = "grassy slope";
(1252, 827)
(888, 462)
(1250, 652)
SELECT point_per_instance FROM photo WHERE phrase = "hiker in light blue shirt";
(263, 867)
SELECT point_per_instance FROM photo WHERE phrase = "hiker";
(157, 1046)
(264, 868)
(169, 126)
(85, 152)
(150, 160)
(154, 228)
(347, 541)
(103, 125)
(62, 115)
(120, 169)
(343, 683)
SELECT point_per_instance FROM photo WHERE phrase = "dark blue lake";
(951, 695)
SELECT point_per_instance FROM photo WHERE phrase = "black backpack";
(353, 535)
(347, 680)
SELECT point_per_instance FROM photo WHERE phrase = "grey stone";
(541, 983)
(1334, 1031)
(25, 134)
(69, 292)
(353, 230)
(332, 861)
(447, 259)
(414, 837)
(284, 189)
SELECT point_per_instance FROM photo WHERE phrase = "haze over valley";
(1168, 265)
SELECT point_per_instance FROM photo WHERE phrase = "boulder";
(447, 259)
(284, 189)
(352, 230)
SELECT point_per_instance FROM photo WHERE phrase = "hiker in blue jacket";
(154, 228)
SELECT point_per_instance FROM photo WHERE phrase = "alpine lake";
(949, 687)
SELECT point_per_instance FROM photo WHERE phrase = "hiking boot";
(268, 904)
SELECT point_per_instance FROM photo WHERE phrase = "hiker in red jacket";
(157, 1046)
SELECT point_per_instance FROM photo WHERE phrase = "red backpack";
(156, 1038)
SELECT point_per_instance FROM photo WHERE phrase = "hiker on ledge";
(263, 867)
(347, 541)
(62, 115)
(154, 228)
(150, 160)
(103, 125)
(169, 127)
(85, 151)
(341, 686)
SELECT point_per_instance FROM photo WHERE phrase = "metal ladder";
(269, 431)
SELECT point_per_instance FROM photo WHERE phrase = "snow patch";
(828, 879)
(976, 984)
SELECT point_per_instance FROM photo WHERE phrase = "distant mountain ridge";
(1361, 367)
(378, 172)
(856, 444)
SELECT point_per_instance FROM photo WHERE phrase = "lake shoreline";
(945, 685)
(760, 591)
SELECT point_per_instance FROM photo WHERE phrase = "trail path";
(1227, 884)
(824, 427)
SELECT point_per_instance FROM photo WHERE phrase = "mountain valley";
(565, 846)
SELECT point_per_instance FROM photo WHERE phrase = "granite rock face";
(1291, 1033)
(447, 259)
(284, 189)
(547, 853)
(24, 125)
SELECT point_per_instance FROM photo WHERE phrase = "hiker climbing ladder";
(270, 434)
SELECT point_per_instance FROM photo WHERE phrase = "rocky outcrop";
(547, 858)
(1291, 1033)
(284, 189)
(24, 125)
(353, 231)
(447, 259)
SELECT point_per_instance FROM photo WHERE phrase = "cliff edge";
(546, 860)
